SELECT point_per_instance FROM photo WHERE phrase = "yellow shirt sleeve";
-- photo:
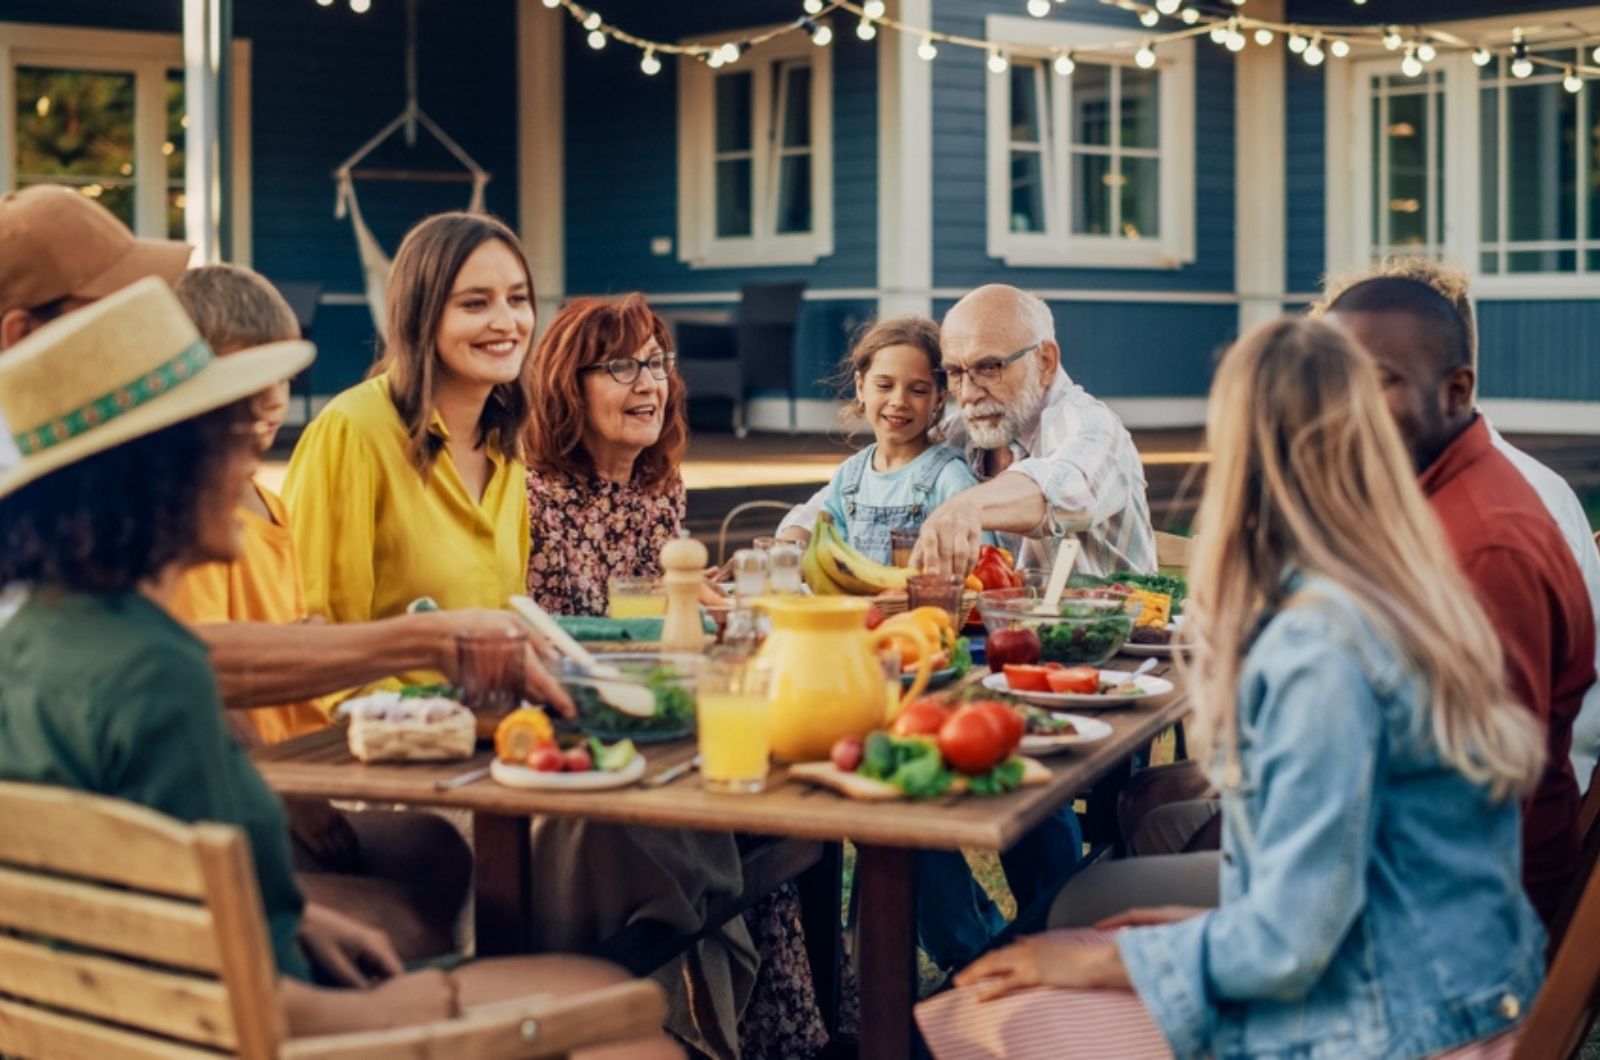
(202, 595)
(331, 490)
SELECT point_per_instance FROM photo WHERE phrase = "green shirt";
(109, 694)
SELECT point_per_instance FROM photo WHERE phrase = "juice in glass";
(734, 716)
(635, 598)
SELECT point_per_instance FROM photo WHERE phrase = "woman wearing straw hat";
(105, 691)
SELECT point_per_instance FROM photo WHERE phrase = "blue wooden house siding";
(325, 80)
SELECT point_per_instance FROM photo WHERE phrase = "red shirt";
(1529, 585)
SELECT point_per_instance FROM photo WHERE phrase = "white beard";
(1012, 418)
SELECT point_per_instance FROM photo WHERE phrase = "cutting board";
(856, 786)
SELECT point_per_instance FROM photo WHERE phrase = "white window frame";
(1366, 206)
(150, 57)
(1348, 172)
(698, 243)
(1057, 246)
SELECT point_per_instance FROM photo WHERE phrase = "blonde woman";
(1350, 706)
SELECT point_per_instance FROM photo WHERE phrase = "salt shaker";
(682, 562)
(749, 582)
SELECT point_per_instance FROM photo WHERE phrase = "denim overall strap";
(850, 476)
(929, 479)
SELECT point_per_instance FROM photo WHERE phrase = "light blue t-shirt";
(867, 504)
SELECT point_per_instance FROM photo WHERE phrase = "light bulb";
(1297, 43)
(1168, 7)
(1038, 8)
(597, 40)
(874, 8)
(1190, 16)
(1411, 66)
(592, 20)
(730, 52)
(1145, 57)
(997, 63)
(1236, 41)
(361, 7)
(1482, 56)
(1595, 55)
(1263, 36)
(1426, 52)
(1572, 82)
(650, 64)
(329, 3)
(551, 3)
(812, 7)
(823, 36)
(927, 51)
(1064, 64)
(714, 60)
(1339, 49)
(1149, 17)
(1391, 39)
(1219, 34)
(1521, 67)
(1314, 54)
(866, 30)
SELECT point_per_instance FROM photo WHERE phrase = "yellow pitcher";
(826, 678)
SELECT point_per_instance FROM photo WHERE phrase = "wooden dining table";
(886, 835)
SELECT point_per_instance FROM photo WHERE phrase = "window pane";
(1593, 93)
(1141, 115)
(177, 137)
(1141, 198)
(797, 107)
(1027, 191)
(1376, 236)
(794, 194)
(1091, 105)
(733, 197)
(1406, 195)
(75, 127)
(1489, 262)
(1541, 261)
(1026, 121)
(1489, 166)
(1091, 195)
(733, 112)
(1541, 133)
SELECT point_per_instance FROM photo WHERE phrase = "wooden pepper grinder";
(682, 561)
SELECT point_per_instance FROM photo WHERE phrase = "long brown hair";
(591, 331)
(424, 271)
(1308, 472)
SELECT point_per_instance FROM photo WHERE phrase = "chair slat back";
(130, 934)
(1588, 858)
(1570, 1000)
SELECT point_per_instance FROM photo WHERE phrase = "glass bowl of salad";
(651, 699)
(1088, 627)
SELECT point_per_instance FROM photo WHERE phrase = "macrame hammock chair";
(374, 261)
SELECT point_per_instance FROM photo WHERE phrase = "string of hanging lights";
(1225, 22)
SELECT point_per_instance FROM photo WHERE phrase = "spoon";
(1066, 556)
(616, 690)
(1124, 678)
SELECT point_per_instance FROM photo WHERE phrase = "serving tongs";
(609, 682)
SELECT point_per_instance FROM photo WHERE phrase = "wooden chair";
(124, 933)
(1570, 1000)
(1173, 550)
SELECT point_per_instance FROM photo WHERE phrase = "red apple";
(1011, 647)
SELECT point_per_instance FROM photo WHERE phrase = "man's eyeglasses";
(626, 369)
(985, 372)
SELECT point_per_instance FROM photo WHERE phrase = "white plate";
(594, 780)
(1090, 730)
(1160, 651)
(1148, 686)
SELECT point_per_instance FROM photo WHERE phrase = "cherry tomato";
(1027, 678)
(546, 759)
(846, 753)
(578, 760)
(972, 741)
(923, 717)
(1074, 680)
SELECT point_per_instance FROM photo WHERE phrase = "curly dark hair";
(110, 521)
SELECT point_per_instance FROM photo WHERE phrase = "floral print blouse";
(587, 530)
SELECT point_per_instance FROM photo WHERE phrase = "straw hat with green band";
(124, 367)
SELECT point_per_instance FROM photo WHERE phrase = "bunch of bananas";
(832, 568)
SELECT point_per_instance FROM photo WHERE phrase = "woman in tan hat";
(106, 692)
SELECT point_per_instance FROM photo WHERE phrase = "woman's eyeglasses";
(626, 369)
(985, 372)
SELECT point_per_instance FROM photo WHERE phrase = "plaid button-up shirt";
(1084, 462)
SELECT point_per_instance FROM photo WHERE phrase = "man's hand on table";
(950, 538)
(540, 686)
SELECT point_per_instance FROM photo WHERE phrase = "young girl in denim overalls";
(897, 481)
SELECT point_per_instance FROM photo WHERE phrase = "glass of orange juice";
(635, 598)
(734, 715)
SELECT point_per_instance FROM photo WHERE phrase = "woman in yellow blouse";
(411, 484)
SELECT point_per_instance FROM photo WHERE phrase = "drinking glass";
(901, 542)
(489, 665)
(634, 597)
(764, 544)
(734, 715)
(936, 590)
(783, 569)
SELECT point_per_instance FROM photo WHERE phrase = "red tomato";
(546, 759)
(1009, 721)
(1075, 680)
(846, 753)
(922, 717)
(1005, 647)
(1054, 666)
(1027, 678)
(973, 742)
(578, 760)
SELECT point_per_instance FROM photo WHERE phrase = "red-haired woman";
(603, 448)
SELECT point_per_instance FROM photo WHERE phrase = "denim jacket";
(1372, 901)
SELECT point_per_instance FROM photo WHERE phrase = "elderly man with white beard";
(1051, 459)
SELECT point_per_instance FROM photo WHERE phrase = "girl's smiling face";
(899, 395)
